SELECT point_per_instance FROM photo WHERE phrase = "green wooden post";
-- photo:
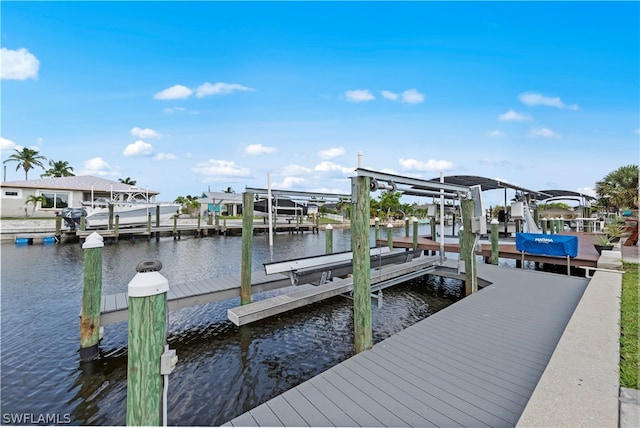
(157, 215)
(83, 223)
(218, 224)
(318, 223)
(432, 223)
(495, 249)
(149, 224)
(406, 227)
(545, 227)
(466, 243)
(175, 227)
(116, 229)
(111, 215)
(360, 238)
(247, 247)
(91, 297)
(199, 229)
(58, 226)
(210, 219)
(147, 339)
(390, 236)
(376, 230)
(328, 236)
(415, 232)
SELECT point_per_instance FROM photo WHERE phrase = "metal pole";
(441, 219)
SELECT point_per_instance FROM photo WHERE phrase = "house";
(221, 203)
(60, 193)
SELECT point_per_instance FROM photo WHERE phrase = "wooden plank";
(312, 416)
(264, 416)
(286, 413)
(337, 416)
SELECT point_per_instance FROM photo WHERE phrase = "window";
(10, 193)
(15, 194)
(55, 200)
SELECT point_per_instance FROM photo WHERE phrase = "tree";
(229, 190)
(33, 200)
(27, 158)
(390, 202)
(128, 181)
(619, 188)
(58, 169)
(189, 204)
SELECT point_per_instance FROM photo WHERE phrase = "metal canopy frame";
(420, 187)
(488, 184)
(294, 193)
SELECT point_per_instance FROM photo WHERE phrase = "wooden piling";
(494, 241)
(116, 228)
(406, 227)
(544, 225)
(91, 298)
(466, 245)
(83, 223)
(376, 230)
(328, 237)
(147, 338)
(390, 236)
(175, 227)
(111, 209)
(58, 226)
(360, 215)
(415, 233)
(149, 225)
(247, 247)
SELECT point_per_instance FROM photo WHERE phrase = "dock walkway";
(475, 363)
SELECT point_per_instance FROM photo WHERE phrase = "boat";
(132, 209)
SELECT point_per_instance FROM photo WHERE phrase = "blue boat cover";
(547, 245)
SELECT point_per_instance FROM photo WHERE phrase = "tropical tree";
(33, 200)
(128, 181)
(390, 202)
(229, 190)
(189, 204)
(58, 169)
(27, 159)
(619, 188)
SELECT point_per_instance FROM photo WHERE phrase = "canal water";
(223, 370)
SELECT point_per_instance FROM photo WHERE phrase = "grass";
(629, 328)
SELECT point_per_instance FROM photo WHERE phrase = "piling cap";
(495, 221)
(148, 281)
(329, 227)
(95, 240)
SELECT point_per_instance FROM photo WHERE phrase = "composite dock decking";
(475, 363)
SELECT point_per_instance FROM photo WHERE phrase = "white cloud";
(331, 153)
(139, 148)
(144, 133)
(217, 170)
(18, 64)
(544, 132)
(496, 133)
(294, 170)
(6, 145)
(258, 149)
(637, 131)
(173, 93)
(359, 95)
(219, 88)
(97, 166)
(513, 115)
(389, 95)
(496, 163)
(164, 156)
(289, 182)
(430, 165)
(532, 99)
(174, 109)
(333, 167)
(587, 191)
(412, 96)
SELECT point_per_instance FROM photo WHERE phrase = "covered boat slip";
(475, 363)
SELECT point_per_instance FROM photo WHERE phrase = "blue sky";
(183, 97)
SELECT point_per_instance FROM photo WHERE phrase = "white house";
(59, 193)
(221, 203)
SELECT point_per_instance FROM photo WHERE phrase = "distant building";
(221, 203)
(59, 193)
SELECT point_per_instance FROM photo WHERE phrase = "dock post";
(149, 226)
(147, 339)
(544, 226)
(83, 223)
(91, 297)
(466, 246)
(217, 223)
(110, 215)
(390, 236)
(198, 230)
(415, 232)
(247, 247)
(175, 227)
(317, 223)
(58, 227)
(328, 236)
(360, 236)
(495, 249)
(376, 228)
(116, 228)
(406, 227)
(434, 234)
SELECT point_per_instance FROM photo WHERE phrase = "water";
(223, 370)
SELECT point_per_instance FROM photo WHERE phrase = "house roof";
(222, 197)
(77, 183)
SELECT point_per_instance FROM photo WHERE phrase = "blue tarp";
(547, 245)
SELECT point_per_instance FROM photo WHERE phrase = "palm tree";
(58, 169)
(619, 188)
(229, 190)
(34, 199)
(128, 181)
(189, 204)
(27, 158)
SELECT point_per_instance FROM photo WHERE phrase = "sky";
(186, 97)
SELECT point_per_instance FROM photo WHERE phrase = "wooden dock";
(587, 254)
(475, 363)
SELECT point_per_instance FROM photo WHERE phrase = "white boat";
(132, 209)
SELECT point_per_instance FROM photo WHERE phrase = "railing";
(334, 217)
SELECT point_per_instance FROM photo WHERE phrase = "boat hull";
(130, 214)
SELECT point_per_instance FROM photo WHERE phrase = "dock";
(475, 363)
(587, 254)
